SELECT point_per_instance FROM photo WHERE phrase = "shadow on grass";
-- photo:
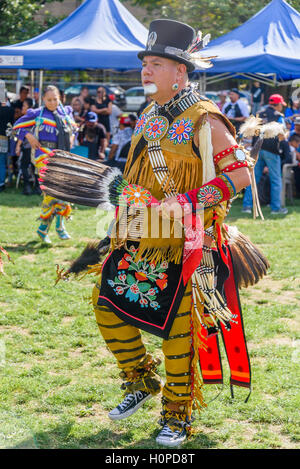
(32, 247)
(60, 438)
(12, 197)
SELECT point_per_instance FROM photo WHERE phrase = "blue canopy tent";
(266, 47)
(100, 34)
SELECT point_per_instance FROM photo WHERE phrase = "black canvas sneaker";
(171, 438)
(130, 404)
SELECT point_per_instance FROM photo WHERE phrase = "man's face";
(278, 107)
(297, 128)
(295, 143)
(233, 96)
(100, 93)
(90, 124)
(23, 94)
(84, 92)
(25, 107)
(77, 106)
(161, 72)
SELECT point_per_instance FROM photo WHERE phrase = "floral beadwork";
(181, 131)
(136, 195)
(140, 125)
(140, 281)
(156, 128)
(209, 195)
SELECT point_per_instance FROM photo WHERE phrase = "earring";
(175, 87)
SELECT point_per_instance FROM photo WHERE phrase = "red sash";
(234, 341)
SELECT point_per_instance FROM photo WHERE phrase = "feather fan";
(79, 180)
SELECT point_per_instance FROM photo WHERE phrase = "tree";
(18, 20)
(210, 16)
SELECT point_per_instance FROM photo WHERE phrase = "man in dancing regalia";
(179, 283)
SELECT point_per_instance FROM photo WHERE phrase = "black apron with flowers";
(146, 295)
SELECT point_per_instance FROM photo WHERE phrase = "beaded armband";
(233, 158)
(214, 192)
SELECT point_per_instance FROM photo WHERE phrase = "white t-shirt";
(113, 118)
(121, 138)
(231, 110)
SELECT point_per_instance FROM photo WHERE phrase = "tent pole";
(202, 83)
(40, 87)
(18, 82)
(31, 82)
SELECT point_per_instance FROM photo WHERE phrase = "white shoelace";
(127, 400)
(166, 431)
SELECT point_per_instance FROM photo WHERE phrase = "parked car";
(111, 89)
(134, 98)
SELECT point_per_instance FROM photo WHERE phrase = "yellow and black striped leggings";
(125, 342)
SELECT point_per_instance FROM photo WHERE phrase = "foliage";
(18, 20)
(58, 381)
(210, 16)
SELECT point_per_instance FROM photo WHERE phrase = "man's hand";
(170, 208)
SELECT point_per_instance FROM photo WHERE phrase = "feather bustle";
(250, 264)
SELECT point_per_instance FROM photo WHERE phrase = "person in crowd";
(236, 111)
(291, 112)
(143, 106)
(23, 151)
(77, 108)
(222, 99)
(257, 97)
(36, 98)
(93, 135)
(121, 143)
(133, 120)
(84, 93)
(272, 151)
(296, 126)
(7, 116)
(18, 103)
(103, 108)
(46, 128)
(294, 142)
(114, 118)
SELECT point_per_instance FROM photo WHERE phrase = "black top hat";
(170, 39)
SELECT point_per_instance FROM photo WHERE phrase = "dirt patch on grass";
(284, 440)
(29, 257)
(67, 319)
(16, 329)
(273, 291)
(278, 341)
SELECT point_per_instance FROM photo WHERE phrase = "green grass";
(58, 380)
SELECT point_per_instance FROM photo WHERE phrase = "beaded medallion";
(181, 131)
(136, 195)
(209, 195)
(156, 128)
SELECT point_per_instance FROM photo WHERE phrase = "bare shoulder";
(220, 134)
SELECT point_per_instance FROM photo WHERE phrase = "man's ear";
(181, 71)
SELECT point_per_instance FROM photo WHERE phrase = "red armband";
(224, 153)
(214, 192)
(234, 166)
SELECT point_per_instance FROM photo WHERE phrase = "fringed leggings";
(125, 342)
